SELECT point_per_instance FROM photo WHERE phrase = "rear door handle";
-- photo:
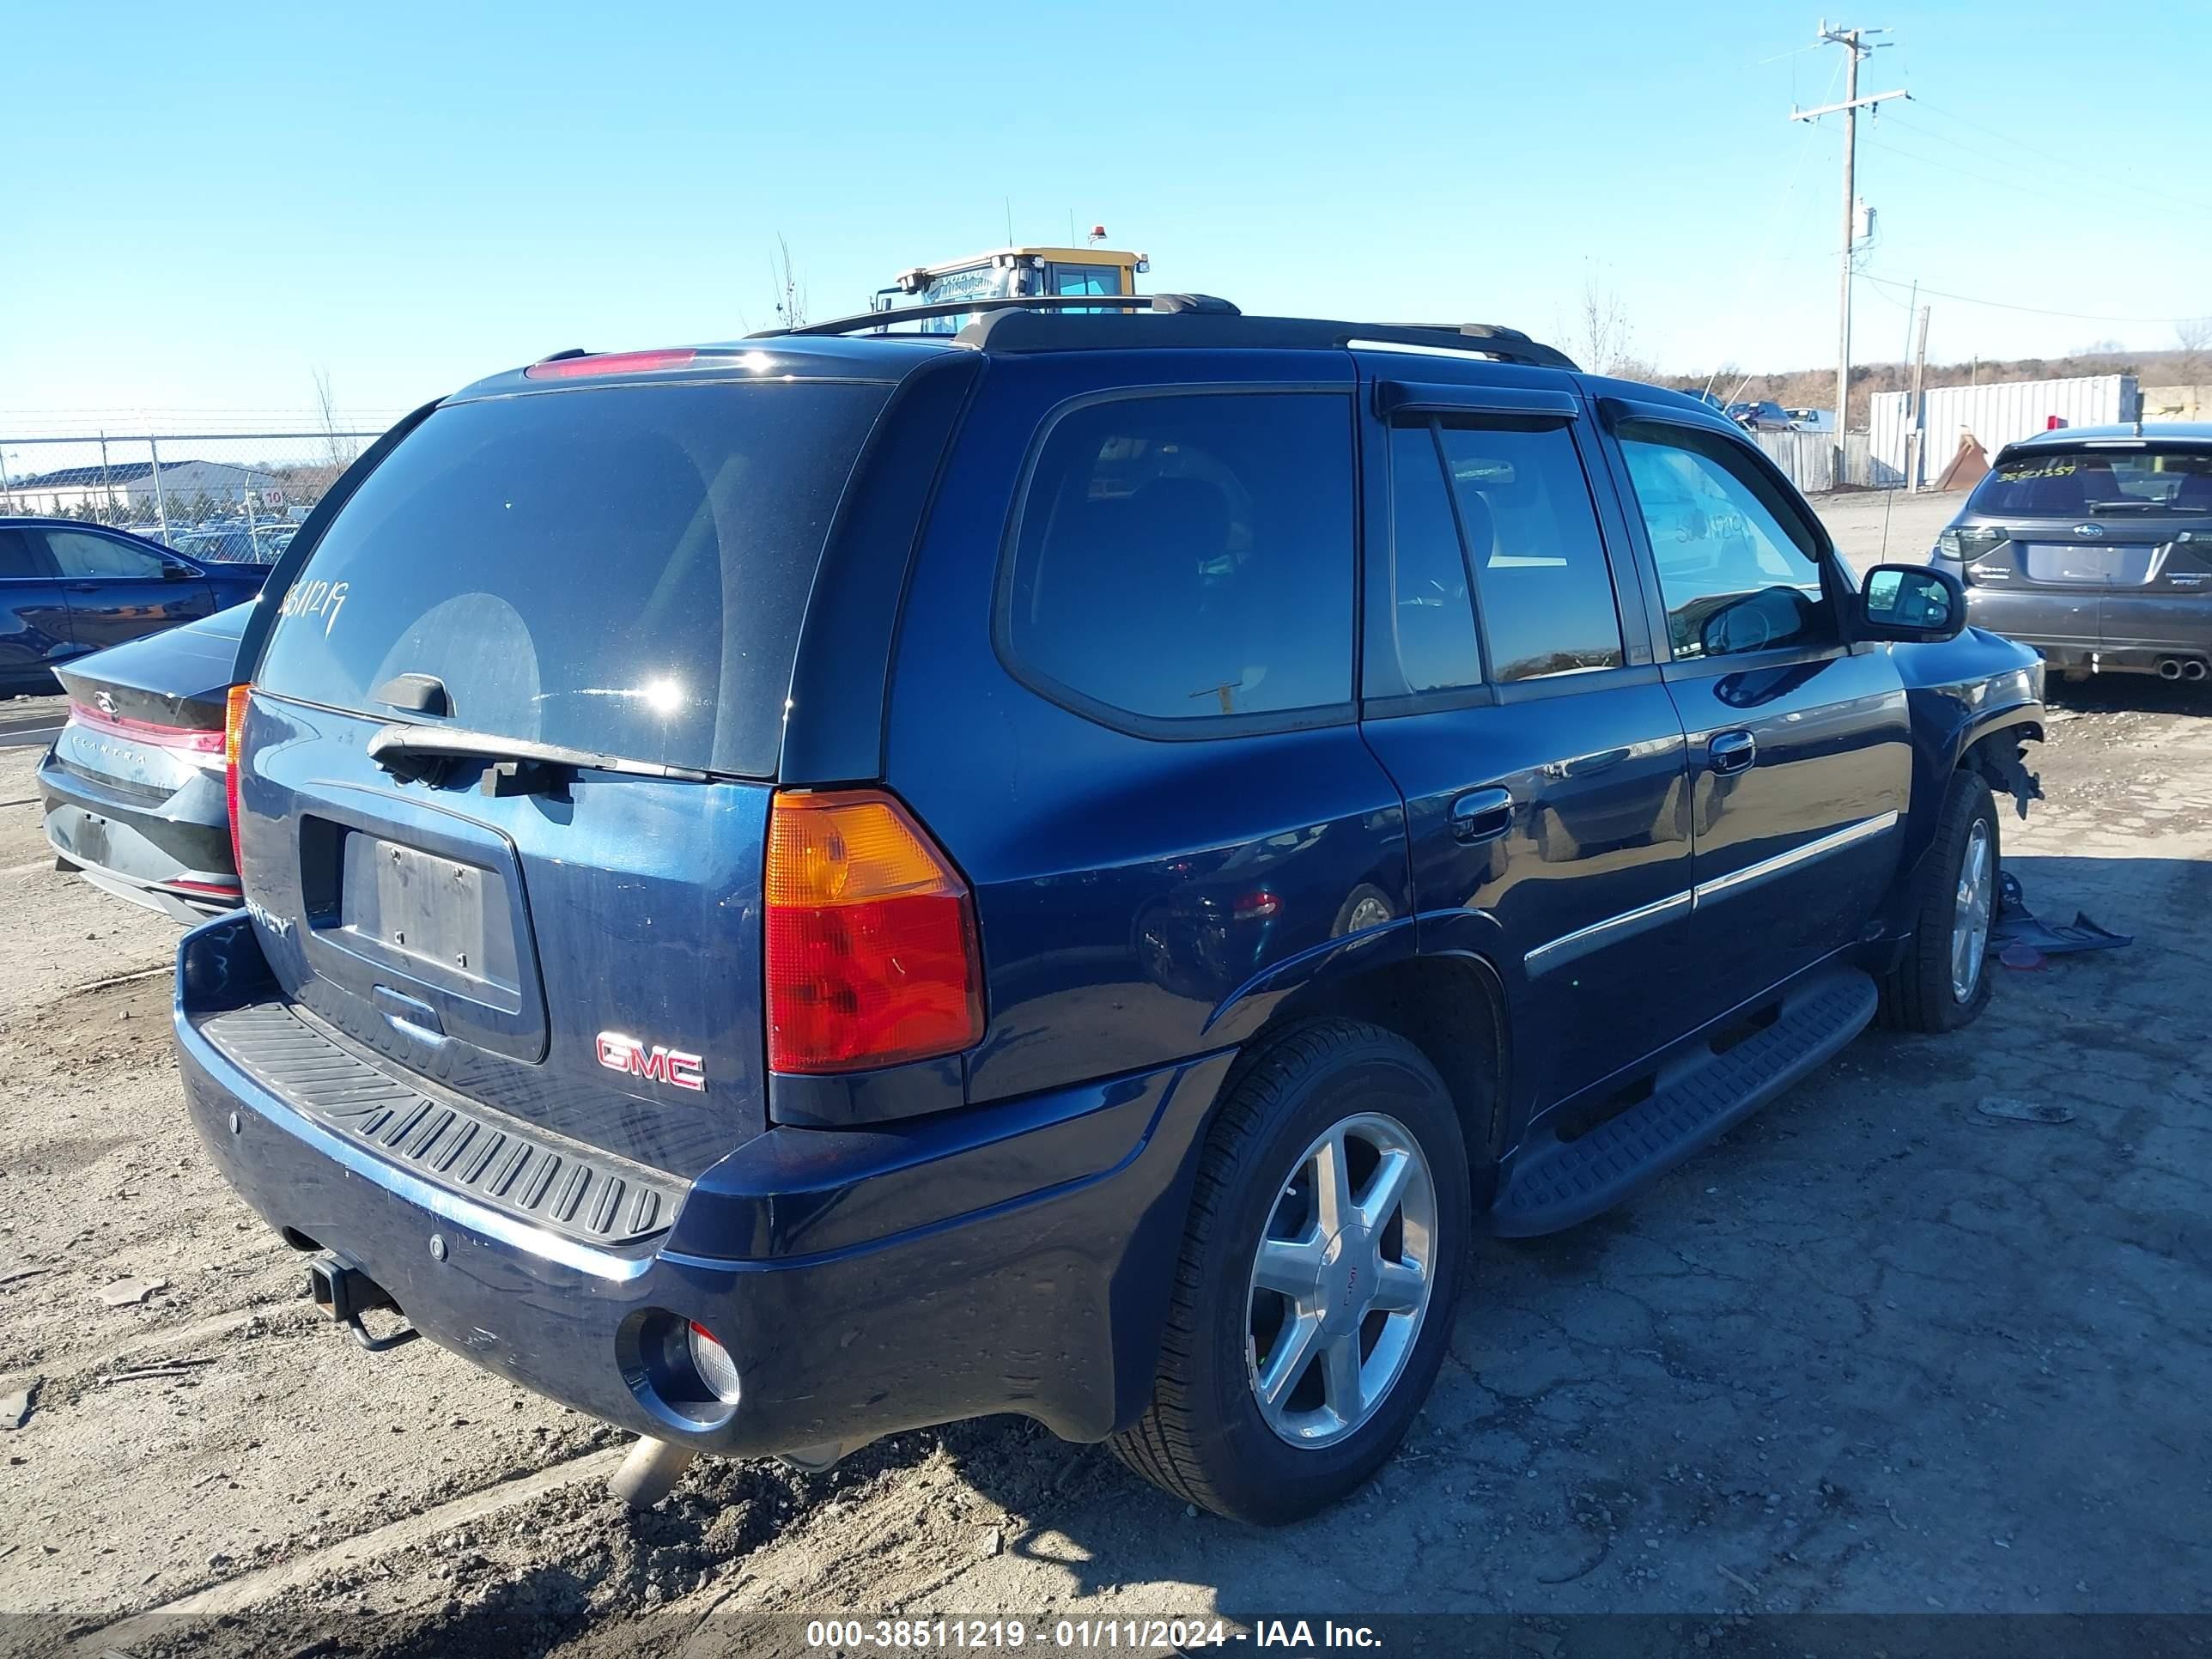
(1481, 815)
(84, 588)
(1731, 751)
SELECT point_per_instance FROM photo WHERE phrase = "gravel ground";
(1878, 1350)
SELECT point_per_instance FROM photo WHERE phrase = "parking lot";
(1898, 1344)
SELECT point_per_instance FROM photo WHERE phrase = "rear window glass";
(2075, 482)
(620, 568)
(1188, 558)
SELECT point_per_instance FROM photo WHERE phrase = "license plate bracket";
(448, 918)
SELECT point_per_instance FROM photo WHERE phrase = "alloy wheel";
(1969, 919)
(1341, 1279)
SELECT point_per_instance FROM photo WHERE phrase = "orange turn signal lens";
(234, 729)
(848, 847)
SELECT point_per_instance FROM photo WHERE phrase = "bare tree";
(2194, 337)
(790, 293)
(1604, 342)
(342, 448)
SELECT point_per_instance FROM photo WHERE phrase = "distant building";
(127, 484)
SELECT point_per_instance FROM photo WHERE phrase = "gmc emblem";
(673, 1066)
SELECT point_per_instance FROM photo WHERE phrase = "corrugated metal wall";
(1994, 414)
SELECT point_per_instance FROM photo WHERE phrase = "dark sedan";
(134, 787)
(2094, 544)
(68, 588)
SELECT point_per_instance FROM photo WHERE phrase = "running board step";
(1556, 1183)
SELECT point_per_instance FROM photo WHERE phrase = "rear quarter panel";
(1108, 868)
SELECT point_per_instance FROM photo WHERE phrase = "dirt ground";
(1879, 1350)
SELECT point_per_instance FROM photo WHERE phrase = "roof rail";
(1022, 329)
(1080, 322)
(891, 318)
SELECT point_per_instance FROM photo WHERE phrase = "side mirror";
(1911, 602)
(177, 573)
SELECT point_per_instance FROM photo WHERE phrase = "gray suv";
(2094, 544)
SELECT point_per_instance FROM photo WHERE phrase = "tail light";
(871, 941)
(233, 724)
(1968, 545)
(189, 738)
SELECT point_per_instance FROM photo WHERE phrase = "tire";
(1919, 994)
(1205, 1436)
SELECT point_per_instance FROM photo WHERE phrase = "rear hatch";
(591, 594)
(2106, 518)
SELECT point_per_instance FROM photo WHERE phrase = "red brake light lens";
(871, 941)
(190, 739)
(608, 362)
(234, 726)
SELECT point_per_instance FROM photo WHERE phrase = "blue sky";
(211, 203)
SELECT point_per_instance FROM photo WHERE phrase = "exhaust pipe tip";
(2194, 670)
(650, 1472)
(2169, 668)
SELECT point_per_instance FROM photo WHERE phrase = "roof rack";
(1080, 322)
(894, 315)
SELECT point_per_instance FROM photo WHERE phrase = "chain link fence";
(231, 497)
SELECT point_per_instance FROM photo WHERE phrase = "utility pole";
(1856, 46)
(1916, 431)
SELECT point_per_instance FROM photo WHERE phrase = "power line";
(2028, 150)
(2033, 311)
(1983, 153)
(2040, 192)
(1773, 241)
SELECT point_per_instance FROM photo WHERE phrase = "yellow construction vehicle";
(1009, 273)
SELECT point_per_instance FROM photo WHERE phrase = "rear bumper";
(2107, 629)
(2037, 617)
(865, 1282)
(173, 856)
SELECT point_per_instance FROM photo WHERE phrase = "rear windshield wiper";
(521, 766)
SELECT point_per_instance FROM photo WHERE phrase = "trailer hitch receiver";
(344, 1293)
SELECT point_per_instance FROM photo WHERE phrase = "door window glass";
(1542, 585)
(1738, 569)
(18, 558)
(1182, 559)
(1431, 620)
(82, 556)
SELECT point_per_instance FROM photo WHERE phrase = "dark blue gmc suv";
(836, 883)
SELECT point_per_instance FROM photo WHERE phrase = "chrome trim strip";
(1751, 875)
(1570, 947)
